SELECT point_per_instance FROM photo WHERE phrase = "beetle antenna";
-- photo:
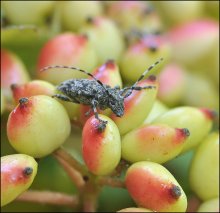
(130, 89)
(74, 68)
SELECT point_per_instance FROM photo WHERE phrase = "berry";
(172, 81)
(211, 205)
(134, 104)
(35, 87)
(38, 126)
(75, 13)
(158, 109)
(13, 71)
(134, 209)
(204, 170)
(143, 53)
(157, 143)
(66, 49)
(197, 120)
(101, 150)
(105, 37)
(153, 187)
(30, 12)
(17, 174)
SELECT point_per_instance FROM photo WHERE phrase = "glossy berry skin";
(13, 71)
(134, 114)
(153, 187)
(198, 121)
(211, 205)
(66, 49)
(105, 37)
(35, 87)
(101, 150)
(204, 169)
(157, 143)
(38, 125)
(134, 209)
(17, 174)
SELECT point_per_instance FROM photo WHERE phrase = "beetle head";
(116, 102)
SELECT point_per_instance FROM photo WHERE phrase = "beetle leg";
(102, 124)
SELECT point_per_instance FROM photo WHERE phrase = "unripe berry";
(134, 14)
(196, 88)
(137, 106)
(27, 12)
(172, 81)
(157, 143)
(38, 126)
(152, 186)
(158, 109)
(134, 209)
(211, 205)
(105, 37)
(197, 120)
(142, 54)
(177, 12)
(13, 71)
(204, 171)
(17, 174)
(66, 49)
(2, 102)
(187, 47)
(75, 13)
(35, 87)
(101, 150)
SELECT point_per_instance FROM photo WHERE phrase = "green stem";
(70, 160)
(48, 197)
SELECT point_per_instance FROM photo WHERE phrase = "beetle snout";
(120, 114)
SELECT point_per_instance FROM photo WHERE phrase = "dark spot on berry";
(186, 132)
(90, 20)
(23, 101)
(175, 191)
(28, 171)
(85, 178)
(13, 86)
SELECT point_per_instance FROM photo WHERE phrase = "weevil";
(94, 93)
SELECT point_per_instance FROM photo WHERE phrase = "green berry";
(157, 143)
(204, 170)
(101, 150)
(38, 126)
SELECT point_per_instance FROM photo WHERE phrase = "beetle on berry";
(94, 93)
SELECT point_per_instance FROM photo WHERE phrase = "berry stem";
(75, 176)
(71, 161)
(90, 196)
(47, 197)
(108, 181)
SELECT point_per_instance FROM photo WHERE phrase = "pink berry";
(13, 71)
(101, 150)
(66, 49)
